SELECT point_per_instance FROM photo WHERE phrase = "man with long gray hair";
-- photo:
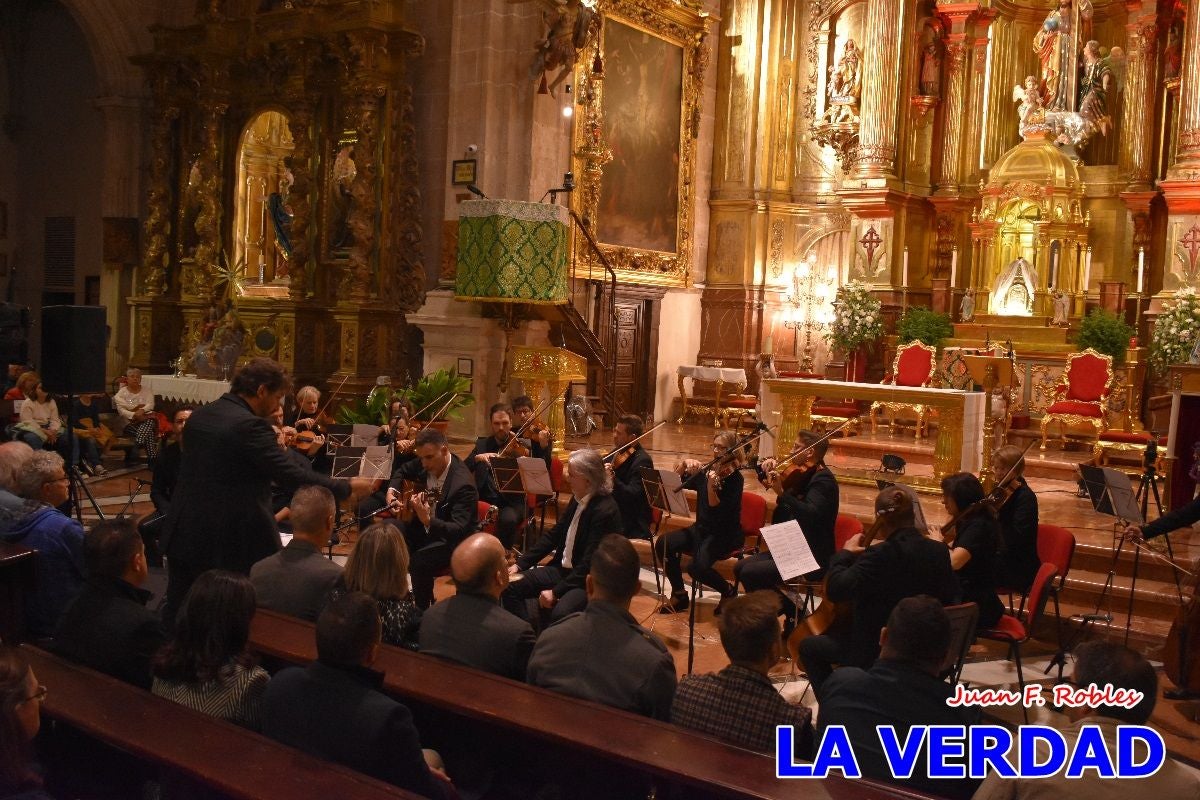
(589, 517)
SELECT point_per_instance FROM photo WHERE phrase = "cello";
(1181, 655)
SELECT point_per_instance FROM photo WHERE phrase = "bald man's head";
(478, 565)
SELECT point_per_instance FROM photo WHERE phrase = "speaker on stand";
(73, 339)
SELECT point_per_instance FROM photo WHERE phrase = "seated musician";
(404, 437)
(591, 514)
(443, 505)
(718, 528)
(974, 544)
(162, 485)
(873, 572)
(540, 440)
(1018, 519)
(308, 400)
(811, 497)
(511, 504)
(630, 460)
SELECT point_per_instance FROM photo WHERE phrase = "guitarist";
(902, 563)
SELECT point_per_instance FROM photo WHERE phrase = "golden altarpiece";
(282, 195)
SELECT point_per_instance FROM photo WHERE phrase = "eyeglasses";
(39, 694)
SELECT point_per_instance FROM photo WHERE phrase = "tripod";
(1147, 484)
(76, 484)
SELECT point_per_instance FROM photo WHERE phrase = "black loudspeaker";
(73, 349)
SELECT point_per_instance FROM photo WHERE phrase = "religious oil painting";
(639, 191)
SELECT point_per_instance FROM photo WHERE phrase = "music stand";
(1111, 494)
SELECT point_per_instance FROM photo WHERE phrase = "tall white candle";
(1087, 270)
(1141, 267)
(1054, 270)
(904, 275)
(953, 265)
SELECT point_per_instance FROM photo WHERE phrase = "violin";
(619, 455)
(513, 448)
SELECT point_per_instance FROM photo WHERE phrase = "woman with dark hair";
(206, 666)
(20, 718)
(975, 550)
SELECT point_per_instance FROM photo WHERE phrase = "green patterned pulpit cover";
(511, 252)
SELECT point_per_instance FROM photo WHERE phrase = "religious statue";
(217, 354)
(281, 222)
(568, 25)
(1056, 45)
(966, 309)
(931, 68)
(344, 173)
(1062, 309)
(1173, 54)
(1097, 80)
(1014, 289)
(1031, 112)
(1194, 358)
(845, 86)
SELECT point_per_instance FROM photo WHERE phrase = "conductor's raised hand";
(361, 487)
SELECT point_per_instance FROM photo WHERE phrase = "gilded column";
(879, 128)
(158, 205)
(200, 279)
(1187, 154)
(303, 233)
(954, 103)
(1137, 143)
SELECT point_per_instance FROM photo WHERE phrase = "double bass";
(1181, 654)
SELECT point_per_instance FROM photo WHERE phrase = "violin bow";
(630, 444)
(332, 397)
(749, 439)
(807, 448)
(517, 434)
(429, 405)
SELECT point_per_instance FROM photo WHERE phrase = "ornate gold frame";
(682, 26)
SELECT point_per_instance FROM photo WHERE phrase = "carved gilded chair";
(914, 366)
(1082, 393)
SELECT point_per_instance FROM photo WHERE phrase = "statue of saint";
(931, 69)
(1062, 309)
(966, 308)
(1097, 81)
(1056, 46)
(845, 85)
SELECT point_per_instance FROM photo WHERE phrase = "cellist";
(900, 562)
(811, 498)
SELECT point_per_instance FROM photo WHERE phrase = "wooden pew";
(18, 574)
(219, 756)
(550, 725)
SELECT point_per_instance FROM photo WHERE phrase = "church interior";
(929, 230)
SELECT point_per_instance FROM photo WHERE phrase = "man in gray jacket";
(296, 580)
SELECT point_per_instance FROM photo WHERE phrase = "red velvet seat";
(1082, 393)
(1011, 631)
(914, 366)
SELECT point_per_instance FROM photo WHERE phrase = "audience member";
(902, 689)
(975, 551)
(334, 709)
(135, 404)
(591, 514)
(206, 666)
(901, 563)
(13, 507)
(93, 435)
(739, 704)
(378, 566)
(20, 719)
(1100, 663)
(108, 626)
(57, 538)
(602, 654)
(24, 386)
(471, 627)
(297, 580)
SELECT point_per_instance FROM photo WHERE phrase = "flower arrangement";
(1175, 331)
(858, 319)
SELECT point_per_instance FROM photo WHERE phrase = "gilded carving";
(729, 247)
(403, 285)
(776, 257)
(303, 234)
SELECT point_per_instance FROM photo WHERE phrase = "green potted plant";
(1106, 333)
(369, 410)
(443, 392)
(919, 324)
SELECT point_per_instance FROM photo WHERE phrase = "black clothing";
(454, 518)
(629, 494)
(107, 627)
(1018, 520)
(513, 505)
(980, 535)
(718, 530)
(376, 501)
(474, 630)
(220, 515)
(895, 694)
(1181, 517)
(166, 476)
(815, 507)
(340, 714)
(281, 493)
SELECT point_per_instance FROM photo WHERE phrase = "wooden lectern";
(989, 372)
(551, 369)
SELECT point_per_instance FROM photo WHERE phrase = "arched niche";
(261, 220)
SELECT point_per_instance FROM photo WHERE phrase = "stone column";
(1137, 121)
(1187, 154)
(954, 103)
(879, 130)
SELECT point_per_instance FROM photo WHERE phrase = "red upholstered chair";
(1082, 393)
(754, 516)
(844, 528)
(1012, 632)
(914, 366)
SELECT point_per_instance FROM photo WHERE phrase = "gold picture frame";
(649, 61)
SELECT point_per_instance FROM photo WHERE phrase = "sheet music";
(793, 557)
(376, 463)
(535, 475)
(1120, 492)
(664, 490)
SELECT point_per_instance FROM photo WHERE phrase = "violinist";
(900, 562)
(511, 504)
(304, 409)
(974, 551)
(810, 496)
(539, 435)
(406, 452)
(718, 528)
(444, 510)
(1018, 518)
(626, 470)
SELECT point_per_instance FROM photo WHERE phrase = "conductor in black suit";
(627, 477)
(559, 586)
(445, 510)
(220, 515)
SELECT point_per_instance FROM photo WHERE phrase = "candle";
(769, 345)
(953, 265)
(1141, 267)
(904, 274)
(1087, 270)
(1054, 269)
